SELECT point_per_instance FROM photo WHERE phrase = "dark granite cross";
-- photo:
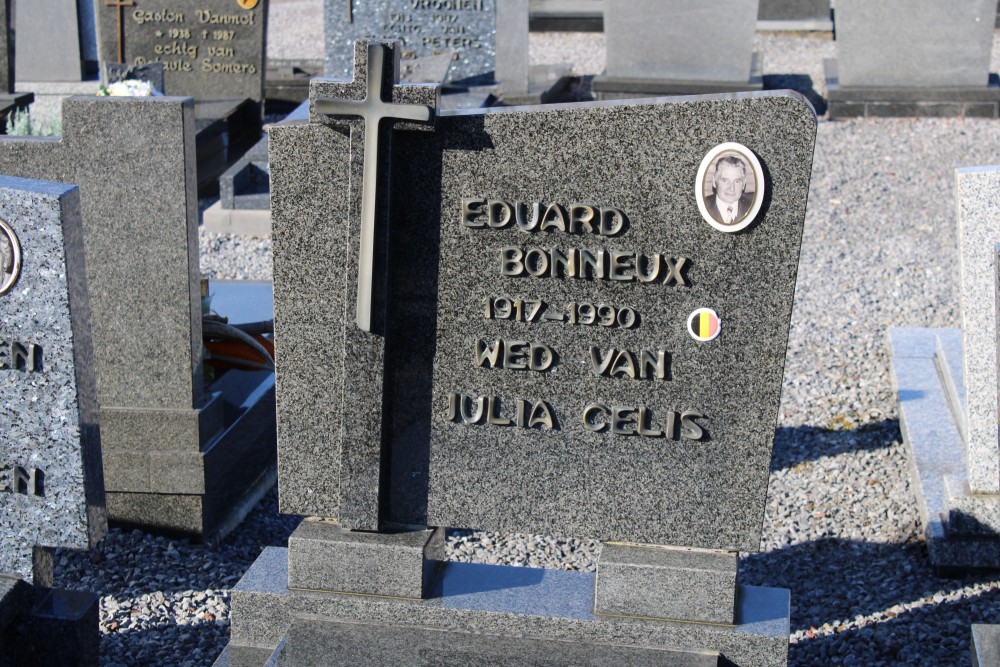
(373, 109)
(120, 4)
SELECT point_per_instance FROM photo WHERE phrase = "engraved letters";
(17, 356)
(483, 215)
(21, 480)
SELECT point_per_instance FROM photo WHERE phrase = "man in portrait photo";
(7, 267)
(730, 202)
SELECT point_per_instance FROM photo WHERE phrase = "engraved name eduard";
(652, 365)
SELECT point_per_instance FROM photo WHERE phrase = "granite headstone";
(464, 28)
(48, 41)
(903, 58)
(678, 47)
(577, 344)
(210, 49)
(176, 454)
(812, 15)
(51, 488)
(946, 381)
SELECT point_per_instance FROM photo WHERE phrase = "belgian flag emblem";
(704, 325)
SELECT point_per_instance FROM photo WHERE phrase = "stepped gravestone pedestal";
(678, 47)
(903, 58)
(946, 381)
(212, 50)
(571, 356)
(178, 455)
(51, 491)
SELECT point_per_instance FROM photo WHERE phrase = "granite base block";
(317, 642)
(894, 102)
(500, 601)
(57, 628)
(206, 493)
(243, 221)
(324, 557)
(955, 541)
(666, 583)
(130, 429)
(985, 645)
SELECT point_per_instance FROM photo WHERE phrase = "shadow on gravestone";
(51, 486)
(178, 455)
(547, 343)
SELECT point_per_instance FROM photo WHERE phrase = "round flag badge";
(704, 325)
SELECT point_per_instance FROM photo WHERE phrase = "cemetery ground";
(841, 529)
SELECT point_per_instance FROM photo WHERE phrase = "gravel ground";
(841, 528)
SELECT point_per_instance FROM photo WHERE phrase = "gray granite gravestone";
(51, 488)
(675, 47)
(946, 381)
(575, 343)
(903, 58)
(48, 41)
(212, 50)
(464, 28)
(811, 15)
(177, 454)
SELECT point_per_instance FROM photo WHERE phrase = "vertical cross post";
(120, 4)
(372, 110)
(350, 11)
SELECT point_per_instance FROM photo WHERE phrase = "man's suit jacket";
(743, 207)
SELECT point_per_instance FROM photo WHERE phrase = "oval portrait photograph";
(10, 257)
(730, 187)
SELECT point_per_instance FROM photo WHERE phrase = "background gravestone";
(465, 28)
(794, 15)
(178, 454)
(212, 50)
(902, 58)
(48, 41)
(51, 488)
(946, 381)
(428, 434)
(678, 47)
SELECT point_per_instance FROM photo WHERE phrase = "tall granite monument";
(51, 488)
(179, 454)
(569, 321)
